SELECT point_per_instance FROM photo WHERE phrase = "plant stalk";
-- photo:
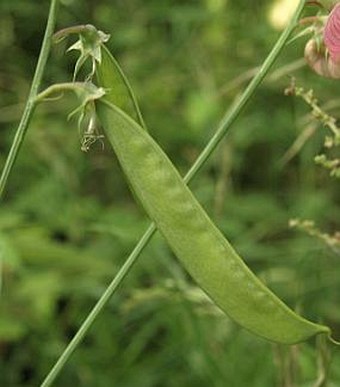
(31, 100)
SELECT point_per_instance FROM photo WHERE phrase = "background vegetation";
(68, 220)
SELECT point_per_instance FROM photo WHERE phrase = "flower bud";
(321, 63)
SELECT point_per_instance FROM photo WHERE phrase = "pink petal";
(322, 65)
(332, 33)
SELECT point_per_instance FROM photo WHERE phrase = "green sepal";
(89, 45)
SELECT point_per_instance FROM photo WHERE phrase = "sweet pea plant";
(105, 93)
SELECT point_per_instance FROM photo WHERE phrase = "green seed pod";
(118, 90)
(195, 240)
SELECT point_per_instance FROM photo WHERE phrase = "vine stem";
(31, 100)
(222, 129)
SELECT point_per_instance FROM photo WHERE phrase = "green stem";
(31, 101)
(60, 88)
(99, 306)
(222, 129)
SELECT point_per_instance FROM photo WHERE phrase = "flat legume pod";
(195, 240)
(111, 77)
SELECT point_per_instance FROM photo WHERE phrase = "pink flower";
(331, 34)
(317, 60)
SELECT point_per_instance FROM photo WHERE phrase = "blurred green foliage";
(68, 220)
